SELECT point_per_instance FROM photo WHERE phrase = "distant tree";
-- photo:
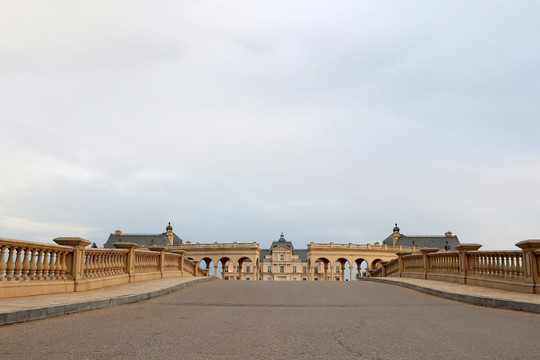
(93, 246)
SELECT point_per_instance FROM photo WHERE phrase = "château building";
(285, 263)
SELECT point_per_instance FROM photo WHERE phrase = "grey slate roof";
(142, 240)
(425, 241)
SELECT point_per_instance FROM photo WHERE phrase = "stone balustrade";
(216, 245)
(508, 270)
(376, 246)
(30, 268)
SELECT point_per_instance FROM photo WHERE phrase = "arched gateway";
(319, 262)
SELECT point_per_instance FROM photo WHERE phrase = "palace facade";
(282, 262)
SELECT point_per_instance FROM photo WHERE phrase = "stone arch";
(223, 260)
(207, 263)
(360, 264)
(375, 263)
(242, 267)
(324, 263)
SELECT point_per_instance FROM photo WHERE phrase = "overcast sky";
(237, 120)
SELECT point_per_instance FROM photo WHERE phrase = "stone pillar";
(331, 272)
(78, 244)
(427, 263)
(215, 269)
(130, 265)
(342, 271)
(464, 262)
(351, 271)
(359, 265)
(382, 264)
(325, 271)
(400, 255)
(531, 262)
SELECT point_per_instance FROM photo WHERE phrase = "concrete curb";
(44, 312)
(470, 299)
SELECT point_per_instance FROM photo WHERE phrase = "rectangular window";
(281, 269)
(248, 269)
(226, 269)
(294, 269)
(337, 269)
(305, 269)
(282, 257)
(269, 269)
(316, 269)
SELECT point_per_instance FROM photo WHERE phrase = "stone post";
(196, 267)
(130, 265)
(383, 268)
(351, 272)
(426, 259)
(181, 253)
(464, 263)
(531, 265)
(401, 264)
(77, 262)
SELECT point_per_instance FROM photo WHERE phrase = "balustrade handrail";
(516, 270)
(31, 268)
(32, 245)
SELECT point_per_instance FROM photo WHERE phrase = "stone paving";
(37, 307)
(280, 320)
(30, 308)
(471, 294)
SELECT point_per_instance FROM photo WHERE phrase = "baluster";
(91, 265)
(109, 264)
(33, 266)
(64, 266)
(26, 264)
(505, 268)
(39, 264)
(512, 265)
(52, 265)
(46, 264)
(102, 264)
(18, 264)
(3, 265)
(10, 264)
(115, 263)
(99, 263)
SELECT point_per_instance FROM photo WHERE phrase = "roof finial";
(282, 238)
(169, 227)
(396, 228)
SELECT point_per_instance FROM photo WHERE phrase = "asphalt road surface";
(281, 320)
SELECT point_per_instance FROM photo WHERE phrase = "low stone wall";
(30, 268)
(513, 270)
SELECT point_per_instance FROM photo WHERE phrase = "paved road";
(270, 320)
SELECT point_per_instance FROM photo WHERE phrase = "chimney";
(117, 232)
(448, 234)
